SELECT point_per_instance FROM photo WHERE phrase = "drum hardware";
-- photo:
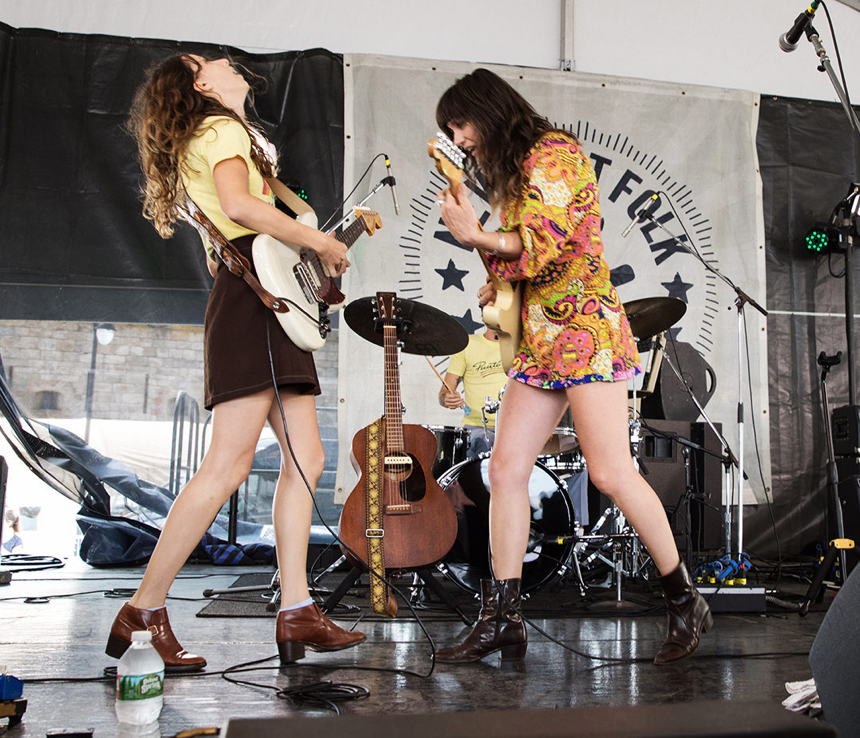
(551, 528)
(452, 445)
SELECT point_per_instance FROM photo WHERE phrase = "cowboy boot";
(688, 616)
(308, 627)
(130, 619)
(500, 626)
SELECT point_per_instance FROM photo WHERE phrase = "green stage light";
(820, 238)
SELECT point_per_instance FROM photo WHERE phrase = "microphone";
(391, 182)
(642, 214)
(788, 40)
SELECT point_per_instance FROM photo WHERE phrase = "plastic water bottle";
(139, 682)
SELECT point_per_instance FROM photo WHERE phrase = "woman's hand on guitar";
(460, 217)
(487, 293)
(332, 253)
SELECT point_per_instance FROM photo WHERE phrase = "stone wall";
(137, 375)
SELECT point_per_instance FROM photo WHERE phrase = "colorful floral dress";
(574, 326)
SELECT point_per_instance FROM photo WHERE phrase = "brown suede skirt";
(235, 347)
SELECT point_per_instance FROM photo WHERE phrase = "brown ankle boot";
(499, 628)
(688, 616)
(129, 619)
(308, 627)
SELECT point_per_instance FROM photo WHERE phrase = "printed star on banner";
(451, 276)
(468, 323)
(677, 287)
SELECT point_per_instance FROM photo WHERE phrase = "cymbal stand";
(741, 300)
(626, 555)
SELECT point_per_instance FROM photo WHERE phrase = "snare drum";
(452, 447)
(467, 486)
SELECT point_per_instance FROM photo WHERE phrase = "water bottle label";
(139, 687)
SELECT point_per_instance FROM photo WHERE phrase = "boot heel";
(515, 652)
(290, 652)
(116, 647)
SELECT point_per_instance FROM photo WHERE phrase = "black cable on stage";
(326, 694)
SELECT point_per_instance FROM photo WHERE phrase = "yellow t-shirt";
(218, 139)
(480, 366)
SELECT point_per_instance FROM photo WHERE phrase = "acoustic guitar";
(504, 316)
(298, 276)
(396, 501)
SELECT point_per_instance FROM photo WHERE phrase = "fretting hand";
(460, 217)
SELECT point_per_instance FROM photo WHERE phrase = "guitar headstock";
(386, 305)
(449, 159)
(372, 221)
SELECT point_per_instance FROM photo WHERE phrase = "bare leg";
(236, 427)
(292, 508)
(599, 411)
(526, 419)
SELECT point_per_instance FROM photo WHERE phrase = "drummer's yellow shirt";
(480, 366)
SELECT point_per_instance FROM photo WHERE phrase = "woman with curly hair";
(577, 350)
(195, 141)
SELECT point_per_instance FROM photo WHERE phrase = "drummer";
(479, 367)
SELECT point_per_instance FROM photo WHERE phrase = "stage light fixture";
(821, 238)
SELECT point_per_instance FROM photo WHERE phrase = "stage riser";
(692, 719)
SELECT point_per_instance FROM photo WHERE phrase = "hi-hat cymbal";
(426, 330)
(652, 315)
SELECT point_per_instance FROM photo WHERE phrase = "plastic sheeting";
(808, 159)
(75, 246)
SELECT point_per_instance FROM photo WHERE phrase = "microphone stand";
(727, 458)
(382, 183)
(826, 66)
(741, 300)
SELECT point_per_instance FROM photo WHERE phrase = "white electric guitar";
(297, 276)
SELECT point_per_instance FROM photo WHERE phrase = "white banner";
(694, 145)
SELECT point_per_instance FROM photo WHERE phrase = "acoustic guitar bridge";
(403, 509)
(398, 460)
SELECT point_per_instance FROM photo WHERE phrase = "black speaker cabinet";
(849, 500)
(662, 463)
(845, 422)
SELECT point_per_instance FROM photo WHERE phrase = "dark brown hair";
(166, 112)
(507, 126)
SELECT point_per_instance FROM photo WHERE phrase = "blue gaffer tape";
(11, 688)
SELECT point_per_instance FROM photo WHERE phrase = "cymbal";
(652, 315)
(426, 330)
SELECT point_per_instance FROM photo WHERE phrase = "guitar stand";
(274, 587)
(425, 573)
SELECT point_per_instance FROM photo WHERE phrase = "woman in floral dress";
(577, 349)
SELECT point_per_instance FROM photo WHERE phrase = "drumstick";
(447, 388)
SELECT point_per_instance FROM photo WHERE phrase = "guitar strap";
(227, 252)
(375, 532)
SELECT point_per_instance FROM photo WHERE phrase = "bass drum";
(552, 516)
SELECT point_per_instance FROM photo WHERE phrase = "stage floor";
(56, 645)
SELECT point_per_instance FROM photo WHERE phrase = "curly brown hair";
(507, 126)
(166, 113)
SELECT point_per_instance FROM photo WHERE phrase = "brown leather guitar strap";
(227, 252)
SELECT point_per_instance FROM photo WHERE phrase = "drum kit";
(559, 547)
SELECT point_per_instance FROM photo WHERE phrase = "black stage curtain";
(75, 245)
(808, 160)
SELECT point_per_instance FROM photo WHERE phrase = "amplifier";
(845, 422)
